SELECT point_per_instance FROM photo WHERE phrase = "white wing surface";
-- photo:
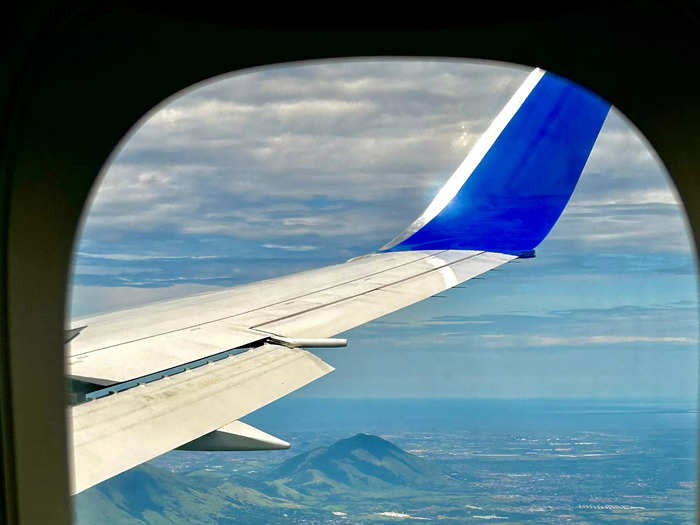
(316, 303)
(180, 373)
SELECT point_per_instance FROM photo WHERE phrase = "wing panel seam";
(256, 309)
(378, 288)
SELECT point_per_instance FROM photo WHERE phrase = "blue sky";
(277, 170)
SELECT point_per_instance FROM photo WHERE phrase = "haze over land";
(452, 461)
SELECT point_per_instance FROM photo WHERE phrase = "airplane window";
(497, 386)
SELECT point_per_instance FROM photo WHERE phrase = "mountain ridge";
(303, 486)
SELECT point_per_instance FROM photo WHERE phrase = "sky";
(272, 171)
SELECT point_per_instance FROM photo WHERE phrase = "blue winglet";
(507, 197)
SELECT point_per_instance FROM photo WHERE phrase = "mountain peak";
(363, 461)
(367, 442)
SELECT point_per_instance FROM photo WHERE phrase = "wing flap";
(118, 432)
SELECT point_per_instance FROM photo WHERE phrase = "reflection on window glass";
(559, 387)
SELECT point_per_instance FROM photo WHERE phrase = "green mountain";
(360, 463)
(149, 495)
(306, 487)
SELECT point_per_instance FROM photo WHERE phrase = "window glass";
(558, 387)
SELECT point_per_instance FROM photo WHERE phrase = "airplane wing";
(180, 373)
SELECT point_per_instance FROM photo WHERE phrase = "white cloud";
(535, 340)
(647, 227)
(132, 257)
(290, 248)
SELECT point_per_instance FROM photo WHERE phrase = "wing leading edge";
(499, 205)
